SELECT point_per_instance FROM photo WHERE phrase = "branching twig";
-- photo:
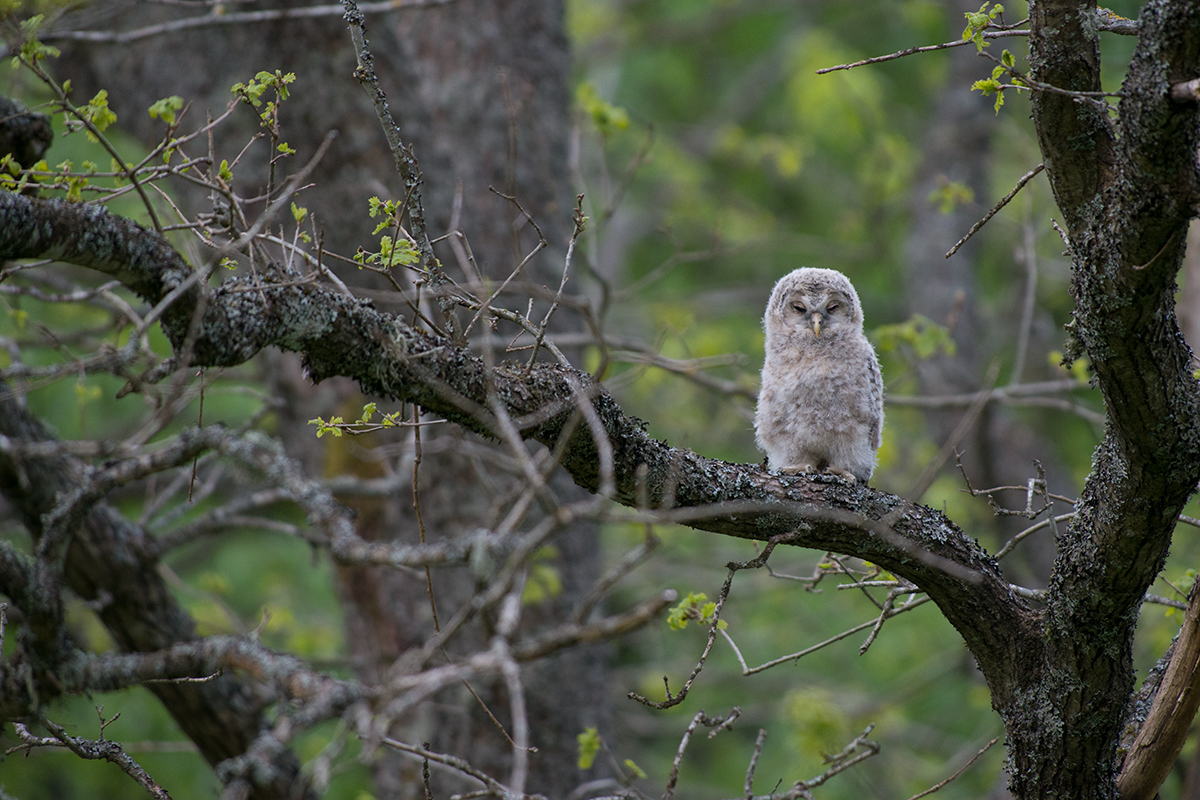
(733, 567)
(236, 18)
(716, 723)
(99, 749)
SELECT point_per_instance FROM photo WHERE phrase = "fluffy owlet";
(820, 408)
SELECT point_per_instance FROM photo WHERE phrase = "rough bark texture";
(1127, 190)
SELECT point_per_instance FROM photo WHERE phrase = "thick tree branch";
(343, 336)
(199, 659)
(112, 560)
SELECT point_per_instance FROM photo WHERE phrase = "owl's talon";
(841, 473)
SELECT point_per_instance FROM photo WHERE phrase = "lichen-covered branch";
(1076, 138)
(338, 335)
(115, 560)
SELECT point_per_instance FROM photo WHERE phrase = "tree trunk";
(1126, 189)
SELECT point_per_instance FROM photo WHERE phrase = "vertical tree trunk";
(482, 88)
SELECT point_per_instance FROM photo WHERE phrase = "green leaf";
(324, 427)
(98, 113)
(87, 394)
(607, 118)
(950, 195)
(1078, 369)
(543, 581)
(634, 769)
(589, 746)
(991, 85)
(922, 335)
(32, 50)
(166, 108)
(75, 189)
(688, 609)
(977, 21)
(819, 725)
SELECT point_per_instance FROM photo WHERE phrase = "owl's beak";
(816, 325)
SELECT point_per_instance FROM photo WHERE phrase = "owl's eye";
(832, 307)
(800, 309)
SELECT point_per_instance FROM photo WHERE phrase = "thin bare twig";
(748, 784)
(960, 771)
(846, 758)
(98, 749)
(405, 162)
(1107, 21)
(747, 670)
(733, 567)
(1026, 178)
(225, 17)
(716, 723)
(924, 49)
(929, 474)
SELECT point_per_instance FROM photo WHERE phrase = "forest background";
(712, 159)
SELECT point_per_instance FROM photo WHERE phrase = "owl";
(820, 408)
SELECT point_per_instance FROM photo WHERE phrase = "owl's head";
(813, 304)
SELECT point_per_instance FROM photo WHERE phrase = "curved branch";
(111, 558)
(1161, 737)
(338, 335)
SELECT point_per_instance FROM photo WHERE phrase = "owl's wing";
(875, 389)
